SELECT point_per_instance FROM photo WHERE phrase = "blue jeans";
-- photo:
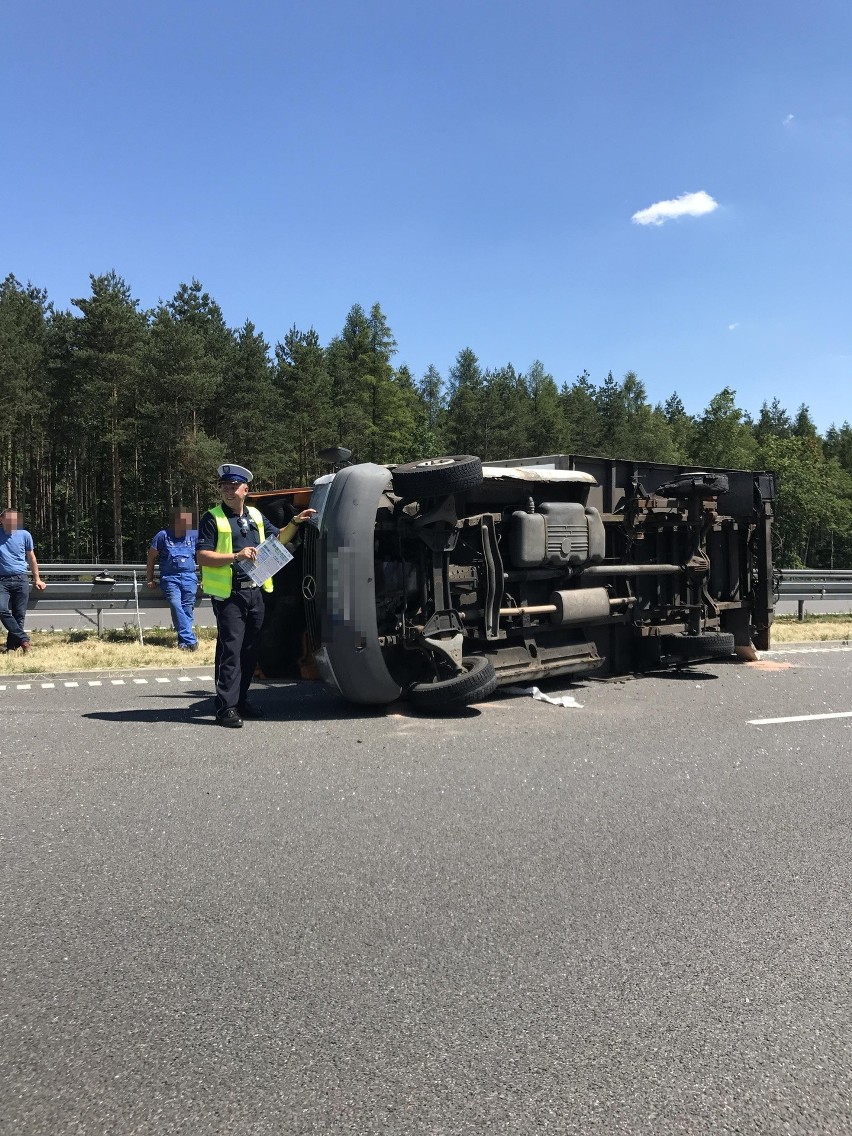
(14, 595)
(180, 591)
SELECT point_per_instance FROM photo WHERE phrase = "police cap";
(230, 472)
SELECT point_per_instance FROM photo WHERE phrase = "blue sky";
(475, 167)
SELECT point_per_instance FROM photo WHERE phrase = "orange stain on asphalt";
(769, 665)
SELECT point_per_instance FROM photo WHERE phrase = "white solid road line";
(799, 718)
(807, 650)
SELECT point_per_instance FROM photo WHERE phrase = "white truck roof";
(536, 473)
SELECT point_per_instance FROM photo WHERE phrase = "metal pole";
(100, 612)
(136, 601)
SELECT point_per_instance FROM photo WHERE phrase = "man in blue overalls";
(175, 548)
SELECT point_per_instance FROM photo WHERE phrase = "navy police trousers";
(239, 620)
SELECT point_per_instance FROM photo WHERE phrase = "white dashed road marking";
(70, 684)
(799, 718)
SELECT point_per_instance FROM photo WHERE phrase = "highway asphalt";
(631, 917)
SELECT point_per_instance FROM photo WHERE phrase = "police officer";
(228, 535)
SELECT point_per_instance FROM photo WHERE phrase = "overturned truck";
(443, 578)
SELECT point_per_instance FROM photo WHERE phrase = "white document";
(540, 696)
(271, 558)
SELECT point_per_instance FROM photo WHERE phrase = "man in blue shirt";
(16, 555)
(175, 548)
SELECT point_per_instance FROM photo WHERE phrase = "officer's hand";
(249, 553)
(305, 515)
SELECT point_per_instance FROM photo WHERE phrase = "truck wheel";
(706, 645)
(279, 512)
(476, 682)
(436, 477)
(695, 484)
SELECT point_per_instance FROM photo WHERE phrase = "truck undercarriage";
(444, 578)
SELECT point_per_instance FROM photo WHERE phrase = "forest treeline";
(110, 415)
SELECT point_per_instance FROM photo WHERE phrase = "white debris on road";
(554, 700)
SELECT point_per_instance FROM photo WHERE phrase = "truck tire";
(695, 484)
(477, 681)
(436, 477)
(279, 512)
(706, 645)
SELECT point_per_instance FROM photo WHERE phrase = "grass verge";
(61, 652)
(789, 629)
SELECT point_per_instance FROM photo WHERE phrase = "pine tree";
(838, 445)
(644, 433)
(612, 416)
(432, 414)
(189, 348)
(350, 361)
(681, 428)
(24, 312)
(465, 406)
(505, 411)
(251, 401)
(584, 432)
(546, 430)
(774, 421)
(109, 341)
(723, 437)
(304, 389)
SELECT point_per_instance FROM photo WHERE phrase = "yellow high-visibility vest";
(218, 581)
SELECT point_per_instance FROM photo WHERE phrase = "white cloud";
(687, 205)
(788, 120)
(733, 326)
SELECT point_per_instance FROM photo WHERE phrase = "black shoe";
(187, 646)
(249, 710)
(229, 718)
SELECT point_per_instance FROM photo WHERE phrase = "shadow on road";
(679, 674)
(298, 703)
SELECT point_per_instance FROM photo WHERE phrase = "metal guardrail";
(815, 585)
(99, 587)
(96, 587)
